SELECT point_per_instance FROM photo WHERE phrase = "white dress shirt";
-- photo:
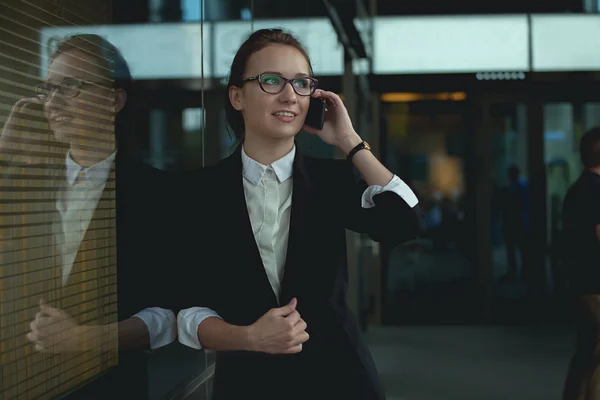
(268, 192)
(76, 206)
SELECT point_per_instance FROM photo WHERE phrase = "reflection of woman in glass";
(65, 240)
(272, 279)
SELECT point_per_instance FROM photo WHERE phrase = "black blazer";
(226, 274)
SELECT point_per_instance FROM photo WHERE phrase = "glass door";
(429, 280)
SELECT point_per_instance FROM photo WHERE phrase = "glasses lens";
(70, 87)
(304, 86)
(271, 83)
(43, 91)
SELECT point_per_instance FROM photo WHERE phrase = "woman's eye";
(302, 83)
(271, 80)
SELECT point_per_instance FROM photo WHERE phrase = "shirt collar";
(97, 174)
(254, 171)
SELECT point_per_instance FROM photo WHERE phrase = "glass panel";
(510, 202)
(561, 152)
(429, 280)
(68, 189)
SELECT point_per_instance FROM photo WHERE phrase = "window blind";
(41, 255)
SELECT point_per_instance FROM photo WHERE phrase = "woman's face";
(263, 111)
(84, 113)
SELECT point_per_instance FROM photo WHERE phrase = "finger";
(24, 105)
(43, 306)
(299, 339)
(300, 326)
(293, 318)
(293, 349)
(32, 337)
(330, 97)
(40, 316)
(39, 347)
(49, 311)
(287, 309)
(20, 104)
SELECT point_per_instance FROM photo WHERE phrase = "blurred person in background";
(581, 236)
(515, 224)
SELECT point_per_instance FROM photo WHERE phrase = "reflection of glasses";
(68, 88)
(273, 84)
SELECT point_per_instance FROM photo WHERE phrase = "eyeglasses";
(68, 88)
(274, 84)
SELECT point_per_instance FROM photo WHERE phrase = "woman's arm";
(385, 208)
(54, 330)
(280, 331)
(371, 169)
(215, 334)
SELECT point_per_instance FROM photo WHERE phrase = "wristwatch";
(361, 146)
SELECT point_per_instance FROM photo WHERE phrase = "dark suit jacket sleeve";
(192, 262)
(391, 221)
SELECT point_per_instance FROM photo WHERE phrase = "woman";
(270, 294)
(65, 244)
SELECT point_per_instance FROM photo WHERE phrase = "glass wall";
(39, 358)
(103, 106)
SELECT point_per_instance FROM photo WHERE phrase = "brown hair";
(255, 42)
(106, 56)
(589, 148)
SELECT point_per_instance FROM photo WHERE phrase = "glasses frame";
(259, 80)
(60, 89)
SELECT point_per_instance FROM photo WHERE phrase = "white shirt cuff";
(188, 321)
(161, 326)
(397, 186)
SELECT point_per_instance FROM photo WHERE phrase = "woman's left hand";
(337, 130)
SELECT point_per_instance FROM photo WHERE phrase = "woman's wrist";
(349, 142)
(247, 337)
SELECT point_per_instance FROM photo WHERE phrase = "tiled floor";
(471, 363)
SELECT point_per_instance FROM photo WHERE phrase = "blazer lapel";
(235, 205)
(301, 200)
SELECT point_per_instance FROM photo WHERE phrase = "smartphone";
(315, 117)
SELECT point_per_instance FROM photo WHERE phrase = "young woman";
(270, 291)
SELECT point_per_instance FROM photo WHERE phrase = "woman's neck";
(267, 150)
(86, 159)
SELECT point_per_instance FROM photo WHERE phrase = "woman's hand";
(54, 331)
(26, 117)
(279, 331)
(337, 130)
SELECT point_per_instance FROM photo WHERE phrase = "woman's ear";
(120, 99)
(235, 97)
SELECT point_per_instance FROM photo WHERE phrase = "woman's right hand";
(25, 109)
(280, 331)
(18, 130)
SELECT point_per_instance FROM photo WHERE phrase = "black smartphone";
(315, 117)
